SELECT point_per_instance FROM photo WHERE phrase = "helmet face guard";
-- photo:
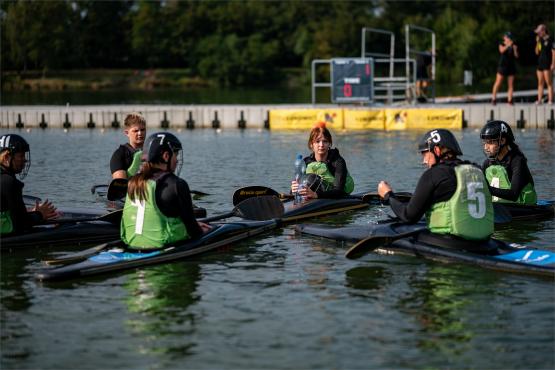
(494, 131)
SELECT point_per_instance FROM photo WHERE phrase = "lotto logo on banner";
(305, 119)
(426, 119)
(364, 119)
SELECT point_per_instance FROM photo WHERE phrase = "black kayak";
(76, 226)
(122, 257)
(79, 233)
(523, 212)
(493, 254)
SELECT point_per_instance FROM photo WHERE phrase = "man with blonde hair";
(126, 160)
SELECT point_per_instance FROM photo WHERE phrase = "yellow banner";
(364, 119)
(305, 119)
(426, 119)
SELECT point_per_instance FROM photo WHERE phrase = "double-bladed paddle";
(501, 214)
(376, 241)
(259, 208)
(96, 189)
(113, 217)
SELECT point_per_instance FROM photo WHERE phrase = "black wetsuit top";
(518, 172)
(338, 168)
(507, 62)
(173, 199)
(11, 199)
(122, 158)
(545, 56)
(437, 184)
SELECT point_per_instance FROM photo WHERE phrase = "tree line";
(252, 42)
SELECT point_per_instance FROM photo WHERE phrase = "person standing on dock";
(15, 159)
(506, 67)
(158, 208)
(126, 160)
(506, 168)
(453, 194)
(423, 73)
(545, 50)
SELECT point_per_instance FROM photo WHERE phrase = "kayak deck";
(118, 260)
(497, 255)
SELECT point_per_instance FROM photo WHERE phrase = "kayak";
(62, 234)
(101, 195)
(123, 258)
(522, 212)
(493, 254)
(320, 207)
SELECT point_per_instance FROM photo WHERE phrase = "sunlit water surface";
(281, 300)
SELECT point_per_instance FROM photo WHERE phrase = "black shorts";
(544, 65)
(506, 71)
(422, 73)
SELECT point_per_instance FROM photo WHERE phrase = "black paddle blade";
(117, 189)
(367, 245)
(252, 191)
(260, 208)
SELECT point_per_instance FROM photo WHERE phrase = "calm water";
(222, 95)
(281, 300)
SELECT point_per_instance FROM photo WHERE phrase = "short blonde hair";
(133, 119)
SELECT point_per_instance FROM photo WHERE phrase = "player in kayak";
(15, 159)
(452, 193)
(326, 170)
(126, 160)
(158, 208)
(506, 168)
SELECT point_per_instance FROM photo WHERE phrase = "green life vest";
(135, 164)
(469, 212)
(498, 177)
(321, 169)
(6, 224)
(144, 226)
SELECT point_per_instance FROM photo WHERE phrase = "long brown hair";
(319, 129)
(136, 187)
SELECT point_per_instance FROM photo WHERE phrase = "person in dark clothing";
(423, 73)
(327, 174)
(15, 159)
(506, 67)
(158, 208)
(506, 167)
(545, 50)
(126, 160)
(452, 193)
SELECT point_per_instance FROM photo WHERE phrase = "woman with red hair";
(327, 174)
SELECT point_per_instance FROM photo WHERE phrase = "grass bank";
(135, 79)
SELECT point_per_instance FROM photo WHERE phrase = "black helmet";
(439, 137)
(495, 130)
(158, 143)
(16, 144)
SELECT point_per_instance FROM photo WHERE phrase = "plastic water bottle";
(300, 168)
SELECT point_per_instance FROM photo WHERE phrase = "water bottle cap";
(299, 156)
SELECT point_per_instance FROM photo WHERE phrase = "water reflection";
(158, 300)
